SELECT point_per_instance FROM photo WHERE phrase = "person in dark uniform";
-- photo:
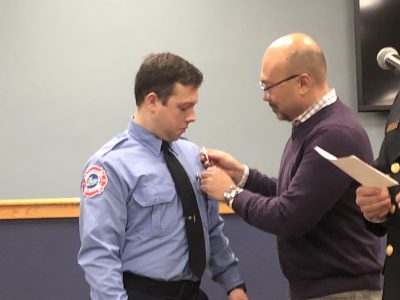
(380, 205)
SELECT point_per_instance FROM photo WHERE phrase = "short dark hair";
(160, 71)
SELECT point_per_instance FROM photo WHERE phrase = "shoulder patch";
(94, 181)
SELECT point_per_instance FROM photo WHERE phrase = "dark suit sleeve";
(379, 229)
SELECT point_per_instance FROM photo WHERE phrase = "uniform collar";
(145, 137)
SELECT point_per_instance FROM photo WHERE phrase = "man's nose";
(191, 117)
(266, 96)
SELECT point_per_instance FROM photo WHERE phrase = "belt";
(182, 288)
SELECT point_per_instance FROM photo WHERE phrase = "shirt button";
(392, 209)
(395, 168)
(389, 250)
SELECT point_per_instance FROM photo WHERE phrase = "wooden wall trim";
(39, 208)
(50, 208)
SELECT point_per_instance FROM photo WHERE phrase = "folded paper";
(359, 170)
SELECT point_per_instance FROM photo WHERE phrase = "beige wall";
(67, 69)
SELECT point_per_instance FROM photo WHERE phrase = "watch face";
(230, 193)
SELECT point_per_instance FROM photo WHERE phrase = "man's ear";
(304, 82)
(150, 101)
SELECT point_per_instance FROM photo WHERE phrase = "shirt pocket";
(154, 211)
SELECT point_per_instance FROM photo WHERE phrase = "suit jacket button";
(392, 209)
(389, 250)
(395, 168)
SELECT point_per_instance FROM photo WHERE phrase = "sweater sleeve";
(314, 188)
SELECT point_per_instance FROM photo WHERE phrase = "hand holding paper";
(359, 170)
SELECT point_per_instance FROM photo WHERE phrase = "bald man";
(324, 248)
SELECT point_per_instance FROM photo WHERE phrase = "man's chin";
(282, 117)
(177, 136)
(278, 115)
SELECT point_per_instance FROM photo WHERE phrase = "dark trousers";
(143, 288)
(134, 295)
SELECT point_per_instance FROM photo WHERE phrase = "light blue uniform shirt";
(131, 217)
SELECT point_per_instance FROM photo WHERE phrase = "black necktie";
(193, 225)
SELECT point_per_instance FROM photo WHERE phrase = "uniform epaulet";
(111, 145)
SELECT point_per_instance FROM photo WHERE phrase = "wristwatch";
(231, 193)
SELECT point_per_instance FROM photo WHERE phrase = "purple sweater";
(323, 244)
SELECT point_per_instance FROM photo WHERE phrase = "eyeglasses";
(266, 89)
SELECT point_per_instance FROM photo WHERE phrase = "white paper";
(359, 170)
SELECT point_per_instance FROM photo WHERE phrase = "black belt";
(182, 288)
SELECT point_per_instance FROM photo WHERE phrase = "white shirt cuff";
(245, 175)
(376, 220)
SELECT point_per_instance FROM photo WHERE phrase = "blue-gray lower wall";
(38, 261)
(258, 262)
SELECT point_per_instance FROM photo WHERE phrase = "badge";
(94, 181)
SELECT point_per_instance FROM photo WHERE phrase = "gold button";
(395, 168)
(392, 209)
(389, 250)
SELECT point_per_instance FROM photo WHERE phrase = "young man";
(138, 241)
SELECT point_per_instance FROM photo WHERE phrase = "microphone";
(388, 59)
